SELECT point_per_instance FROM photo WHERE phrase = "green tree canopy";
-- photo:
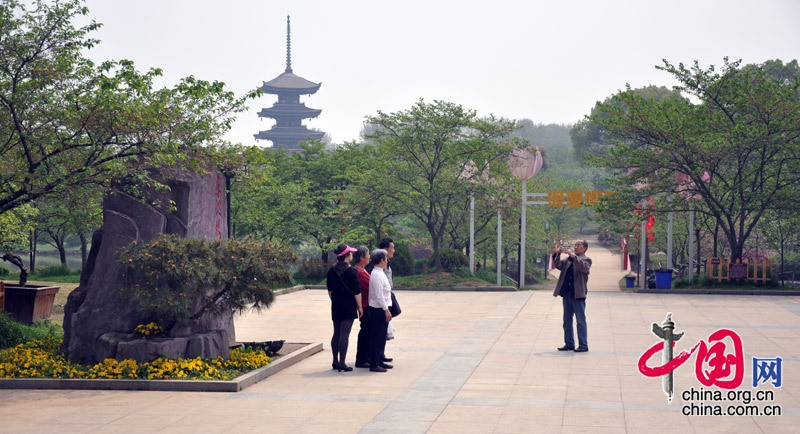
(590, 139)
(66, 122)
(733, 143)
(426, 152)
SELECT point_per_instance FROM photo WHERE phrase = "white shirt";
(380, 291)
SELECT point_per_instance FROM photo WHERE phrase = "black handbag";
(394, 309)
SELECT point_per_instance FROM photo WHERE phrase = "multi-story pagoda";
(289, 112)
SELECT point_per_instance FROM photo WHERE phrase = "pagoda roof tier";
(289, 133)
(288, 82)
(299, 110)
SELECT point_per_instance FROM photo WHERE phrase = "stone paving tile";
(461, 427)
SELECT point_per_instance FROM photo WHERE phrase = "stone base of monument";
(130, 346)
(290, 354)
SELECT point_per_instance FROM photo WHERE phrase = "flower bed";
(41, 359)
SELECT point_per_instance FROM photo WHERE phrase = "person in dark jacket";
(361, 259)
(345, 294)
(572, 287)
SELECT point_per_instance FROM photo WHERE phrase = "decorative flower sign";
(524, 164)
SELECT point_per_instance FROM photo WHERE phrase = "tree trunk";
(62, 250)
(699, 260)
(736, 246)
(23, 270)
(437, 257)
(58, 236)
(783, 244)
(84, 249)
(33, 244)
(507, 258)
(324, 254)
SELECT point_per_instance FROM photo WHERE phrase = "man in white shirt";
(380, 298)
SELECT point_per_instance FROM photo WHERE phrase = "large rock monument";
(98, 323)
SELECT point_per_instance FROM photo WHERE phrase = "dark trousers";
(577, 309)
(364, 334)
(378, 326)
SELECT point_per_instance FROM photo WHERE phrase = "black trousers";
(378, 326)
(364, 334)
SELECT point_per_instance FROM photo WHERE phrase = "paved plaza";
(467, 362)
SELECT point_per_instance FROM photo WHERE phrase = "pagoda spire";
(288, 44)
(289, 131)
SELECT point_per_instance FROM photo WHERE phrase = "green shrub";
(791, 262)
(403, 263)
(55, 271)
(309, 276)
(451, 259)
(462, 272)
(311, 271)
(4, 271)
(13, 333)
(72, 278)
(175, 278)
(490, 276)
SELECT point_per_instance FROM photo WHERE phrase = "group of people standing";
(361, 291)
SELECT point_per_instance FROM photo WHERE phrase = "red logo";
(714, 366)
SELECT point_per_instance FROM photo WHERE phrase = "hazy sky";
(546, 61)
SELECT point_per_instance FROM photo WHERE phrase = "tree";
(426, 151)
(14, 228)
(781, 228)
(66, 123)
(590, 139)
(267, 202)
(367, 206)
(78, 213)
(293, 197)
(326, 219)
(735, 145)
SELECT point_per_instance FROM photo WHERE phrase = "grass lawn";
(437, 280)
(421, 280)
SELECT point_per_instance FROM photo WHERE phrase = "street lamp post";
(499, 247)
(524, 165)
(472, 233)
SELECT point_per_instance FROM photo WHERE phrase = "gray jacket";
(580, 270)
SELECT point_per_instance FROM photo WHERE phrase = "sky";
(548, 61)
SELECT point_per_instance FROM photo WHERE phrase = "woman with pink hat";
(345, 294)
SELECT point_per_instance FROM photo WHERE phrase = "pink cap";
(347, 249)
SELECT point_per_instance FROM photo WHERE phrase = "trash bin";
(663, 279)
(630, 281)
